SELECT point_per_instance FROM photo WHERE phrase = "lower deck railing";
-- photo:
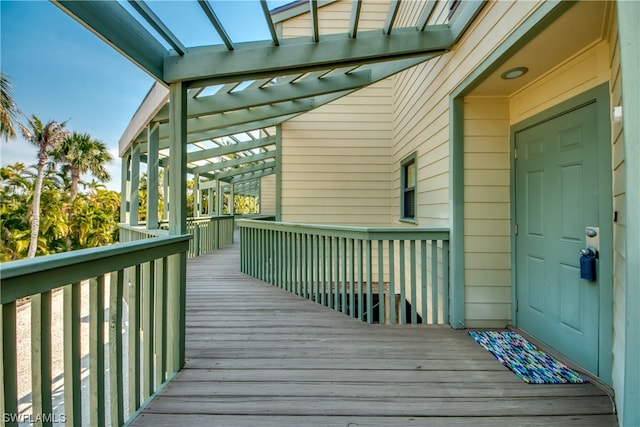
(209, 233)
(135, 289)
(378, 275)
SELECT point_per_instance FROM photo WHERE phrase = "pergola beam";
(230, 149)
(253, 175)
(213, 65)
(225, 102)
(242, 171)
(204, 130)
(235, 162)
(115, 25)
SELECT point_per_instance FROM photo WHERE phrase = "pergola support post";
(153, 164)
(134, 197)
(177, 222)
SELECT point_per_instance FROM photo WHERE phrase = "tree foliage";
(92, 220)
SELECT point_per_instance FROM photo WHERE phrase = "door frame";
(599, 94)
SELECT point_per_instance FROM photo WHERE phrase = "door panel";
(556, 198)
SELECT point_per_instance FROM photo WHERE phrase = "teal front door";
(556, 199)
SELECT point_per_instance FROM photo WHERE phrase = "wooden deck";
(259, 356)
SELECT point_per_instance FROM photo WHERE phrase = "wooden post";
(177, 223)
(153, 164)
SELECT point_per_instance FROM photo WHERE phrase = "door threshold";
(592, 378)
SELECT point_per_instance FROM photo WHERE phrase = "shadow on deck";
(260, 356)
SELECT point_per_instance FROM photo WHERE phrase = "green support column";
(629, 33)
(177, 222)
(278, 173)
(231, 197)
(165, 193)
(197, 197)
(153, 164)
(210, 207)
(134, 197)
(456, 202)
(124, 190)
(220, 195)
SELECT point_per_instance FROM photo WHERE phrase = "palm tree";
(8, 108)
(79, 154)
(46, 137)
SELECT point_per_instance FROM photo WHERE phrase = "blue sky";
(61, 71)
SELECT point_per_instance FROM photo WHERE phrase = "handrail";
(26, 277)
(356, 232)
(144, 282)
(377, 274)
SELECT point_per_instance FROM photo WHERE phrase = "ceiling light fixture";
(514, 73)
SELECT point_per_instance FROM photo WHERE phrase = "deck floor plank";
(260, 356)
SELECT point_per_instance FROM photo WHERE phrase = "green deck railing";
(137, 289)
(209, 233)
(378, 275)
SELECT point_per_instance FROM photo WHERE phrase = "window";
(408, 174)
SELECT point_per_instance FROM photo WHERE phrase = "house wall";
(487, 212)
(268, 195)
(619, 208)
(335, 159)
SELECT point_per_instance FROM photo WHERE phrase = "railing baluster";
(434, 282)
(343, 285)
(323, 259)
(414, 298)
(330, 272)
(336, 274)
(72, 355)
(423, 279)
(305, 265)
(9, 362)
(445, 281)
(360, 276)
(381, 304)
(134, 340)
(316, 268)
(116, 388)
(369, 284)
(148, 321)
(41, 396)
(392, 283)
(403, 298)
(352, 278)
(96, 351)
(160, 340)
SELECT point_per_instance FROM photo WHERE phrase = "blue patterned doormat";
(525, 359)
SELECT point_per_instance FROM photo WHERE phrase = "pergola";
(214, 110)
